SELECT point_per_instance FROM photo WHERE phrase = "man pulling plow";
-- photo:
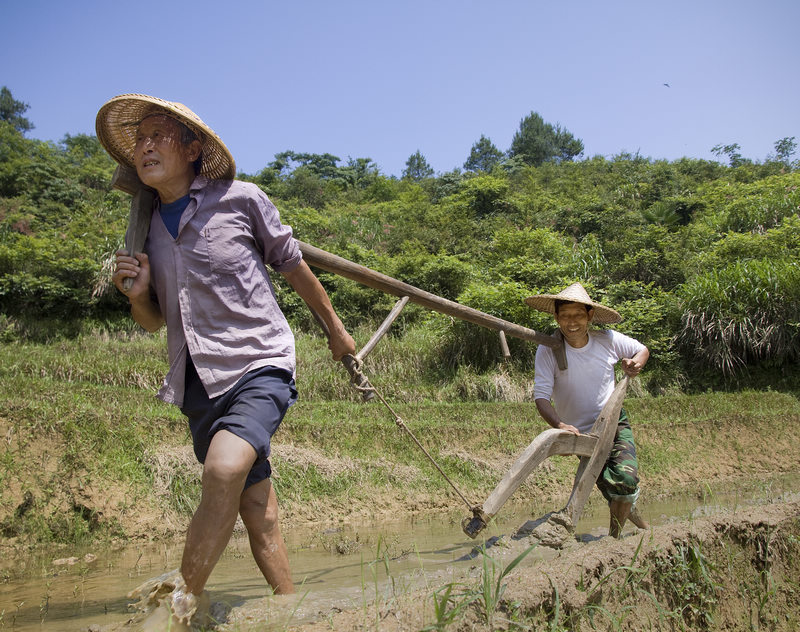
(198, 250)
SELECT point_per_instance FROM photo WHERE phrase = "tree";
(735, 158)
(321, 165)
(358, 173)
(483, 156)
(784, 150)
(417, 168)
(537, 142)
(12, 110)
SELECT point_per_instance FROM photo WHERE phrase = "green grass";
(82, 415)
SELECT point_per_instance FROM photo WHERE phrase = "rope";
(399, 422)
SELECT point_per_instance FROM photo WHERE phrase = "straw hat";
(119, 118)
(575, 293)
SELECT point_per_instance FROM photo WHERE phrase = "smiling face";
(573, 320)
(162, 160)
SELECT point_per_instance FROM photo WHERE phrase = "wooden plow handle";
(604, 429)
(593, 450)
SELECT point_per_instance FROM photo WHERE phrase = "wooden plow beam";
(343, 267)
(593, 450)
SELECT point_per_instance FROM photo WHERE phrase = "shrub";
(743, 314)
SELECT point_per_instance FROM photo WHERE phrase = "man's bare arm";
(308, 287)
(550, 415)
(633, 366)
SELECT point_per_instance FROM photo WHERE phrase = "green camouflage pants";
(619, 479)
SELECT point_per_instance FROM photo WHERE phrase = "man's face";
(161, 159)
(573, 320)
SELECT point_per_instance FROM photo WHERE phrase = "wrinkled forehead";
(157, 120)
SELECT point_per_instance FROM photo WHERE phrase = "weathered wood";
(546, 444)
(383, 329)
(604, 429)
(125, 179)
(592, 448)
(343, 267)
(504, 346)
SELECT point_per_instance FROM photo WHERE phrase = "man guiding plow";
(580, 392)
(588, 419)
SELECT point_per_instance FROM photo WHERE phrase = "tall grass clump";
(687, 582)
(745, 313)
(492, 586)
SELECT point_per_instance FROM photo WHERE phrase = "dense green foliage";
(538, 142)
(701, 258)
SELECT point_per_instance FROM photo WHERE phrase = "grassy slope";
(89, 453)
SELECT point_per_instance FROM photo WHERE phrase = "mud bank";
(734, 571)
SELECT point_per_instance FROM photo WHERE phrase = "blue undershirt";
(171, 214)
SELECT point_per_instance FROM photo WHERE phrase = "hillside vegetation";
(701, 258)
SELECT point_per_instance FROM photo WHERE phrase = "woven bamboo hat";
(119, 118)
(575, 293)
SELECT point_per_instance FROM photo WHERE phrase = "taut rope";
(358, 380)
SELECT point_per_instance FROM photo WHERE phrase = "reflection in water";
(335, 568)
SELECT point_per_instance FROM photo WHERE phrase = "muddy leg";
(259, 510)
(228, 461)
(636, 518)
(619, 510)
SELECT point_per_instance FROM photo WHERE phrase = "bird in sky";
(666, 84)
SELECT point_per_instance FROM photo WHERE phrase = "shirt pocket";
(229, 249)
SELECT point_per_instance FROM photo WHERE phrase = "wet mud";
(361, 576)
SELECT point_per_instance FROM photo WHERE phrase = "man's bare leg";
(259, 510)
(619, 510)
(228, 462)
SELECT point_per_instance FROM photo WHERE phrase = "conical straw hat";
(575, 293)
(119, 118)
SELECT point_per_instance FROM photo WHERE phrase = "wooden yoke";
(592, 448)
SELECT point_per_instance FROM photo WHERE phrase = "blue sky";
(382, 79)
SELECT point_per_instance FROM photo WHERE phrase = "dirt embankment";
(47, 497)
(736, 571)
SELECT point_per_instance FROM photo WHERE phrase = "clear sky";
(378, 79)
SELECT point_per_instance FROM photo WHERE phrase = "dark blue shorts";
(252, 410)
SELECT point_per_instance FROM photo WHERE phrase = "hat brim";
(547, 303)
(118, 120)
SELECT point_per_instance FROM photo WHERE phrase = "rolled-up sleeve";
(279, 247)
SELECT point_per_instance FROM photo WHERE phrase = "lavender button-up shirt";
(213, 288)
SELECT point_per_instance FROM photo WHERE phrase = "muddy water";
(340, 567)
